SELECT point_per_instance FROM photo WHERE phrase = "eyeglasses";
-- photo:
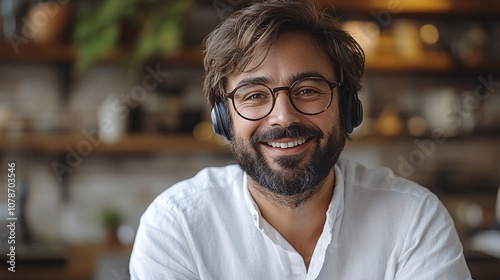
(309, 96)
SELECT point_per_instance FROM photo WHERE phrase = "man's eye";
(255, 96)
(307, 91)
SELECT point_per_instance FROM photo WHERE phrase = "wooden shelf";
(439, 7)
(131, 143)
(483, 140)
(186, 57)
(37, 53)
(191, 57)
(67, 53)
(172, 143)
(430, 61)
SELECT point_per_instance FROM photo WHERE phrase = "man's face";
(313, 142)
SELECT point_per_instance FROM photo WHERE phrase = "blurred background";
(101, 110)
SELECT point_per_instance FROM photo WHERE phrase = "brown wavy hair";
(245, 33)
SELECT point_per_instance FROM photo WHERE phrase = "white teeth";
(287, 145)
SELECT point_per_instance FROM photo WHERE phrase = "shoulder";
(380, 192)
(375, 197)
(209, 186)
(178, 222)
(358, 177)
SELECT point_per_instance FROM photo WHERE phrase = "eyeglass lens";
(308, 96)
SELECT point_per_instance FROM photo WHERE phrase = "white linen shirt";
(378, 226)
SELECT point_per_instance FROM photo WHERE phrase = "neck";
(299, 219)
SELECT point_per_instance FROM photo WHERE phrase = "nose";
(283, 113)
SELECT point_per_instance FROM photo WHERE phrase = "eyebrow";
(267, 80)
(254, 80)
(303, 75)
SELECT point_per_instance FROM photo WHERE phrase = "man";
(282, 78)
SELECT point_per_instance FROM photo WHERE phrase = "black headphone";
(220, 119)
(351, 110)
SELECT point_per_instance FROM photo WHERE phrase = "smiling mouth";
(287, 145)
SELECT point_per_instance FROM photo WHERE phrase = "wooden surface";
(131, 143)
(438, 7)
(430, 60)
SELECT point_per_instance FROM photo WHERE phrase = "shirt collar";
(337, 201)
(331, 214)
(251, 204)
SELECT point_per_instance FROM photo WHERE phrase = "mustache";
(294, 131)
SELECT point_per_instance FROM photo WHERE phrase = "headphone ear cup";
(357, 111)
(351, 110)
(219, 119)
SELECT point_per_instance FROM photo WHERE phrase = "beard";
(299, 178)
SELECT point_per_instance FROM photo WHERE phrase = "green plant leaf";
(159, 24)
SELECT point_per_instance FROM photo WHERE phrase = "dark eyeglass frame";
(273, 92)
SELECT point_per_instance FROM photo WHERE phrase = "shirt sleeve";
(161, 250)
(431, 247)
